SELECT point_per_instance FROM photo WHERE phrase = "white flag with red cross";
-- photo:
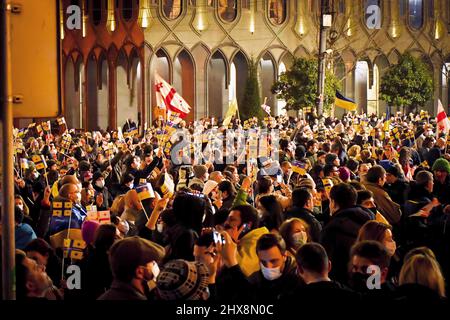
(167, 98)
(442, 122)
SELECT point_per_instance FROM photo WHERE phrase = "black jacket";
(314, 225)
(398, 191)
(339, 235)
(122, 291)
(417, 294)
(270, 291)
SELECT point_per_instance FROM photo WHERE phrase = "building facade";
(204, 47)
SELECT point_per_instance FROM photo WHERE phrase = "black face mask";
(373, 210)
(358, 281)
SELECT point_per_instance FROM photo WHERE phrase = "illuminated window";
(415, 12)
(277, 11)
(172, 8)
(127, 9)
(97, 10)
(227, 10)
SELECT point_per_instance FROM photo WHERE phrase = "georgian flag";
(443, 123)
(265, 107)
(167, 98)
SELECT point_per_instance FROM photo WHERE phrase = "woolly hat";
(344, 173)
(183, 280)
(209, 186)
(88, 230)
(441, 165)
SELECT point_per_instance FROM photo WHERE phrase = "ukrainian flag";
(344, 103)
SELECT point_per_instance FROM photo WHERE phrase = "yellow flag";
(232, 109)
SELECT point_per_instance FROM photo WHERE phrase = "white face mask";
(100, 183)
(155, 270)
(160, 227)
(299, 238)
(270, 273)
(124, 227)
(36, 175)
(131, 186)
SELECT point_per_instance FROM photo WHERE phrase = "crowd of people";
(354, 209)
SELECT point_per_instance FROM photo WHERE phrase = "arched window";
(127, 9)
(227, 10)
(172, 8)
(96, 6)
(402, 7)
(415, 12)
(277, 11)
(341, 7)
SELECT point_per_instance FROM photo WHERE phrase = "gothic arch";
(217, 76)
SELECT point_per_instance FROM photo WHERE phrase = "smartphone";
(218, 238)
(246, 228)
(279, 179)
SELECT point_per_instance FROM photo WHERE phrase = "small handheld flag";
(73, 249)
(61, 208)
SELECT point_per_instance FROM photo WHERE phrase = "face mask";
(20, 206)
(374, 210)
(160, 227)
(270, 273)
(155, 270)
(299, 238)
(36, 175)
(358, 281)
(131, 186)
(391, 247)
(100, 183)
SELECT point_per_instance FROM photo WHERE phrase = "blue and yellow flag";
(344, 103)
(298, 167)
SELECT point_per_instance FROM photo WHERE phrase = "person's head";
(425, 179)
(342, 196)
(135, 162)
(128, 180)
(181, 280)
(321, 157)
(271, 251)
(312, 262)
(122, 225)
(216, 176)
(105, 236)
(226, 189)
(380, 232)
(392, 174)
(71, 192)
(98, 180)
(365, 199)
(31, 278)
(201, 172)
(376, 175)
(352, 165)
(312, 146)
(302, 198)
(271, 212)
(69, 179)
(344, 174)
(135, 260)
(366, 258)
(240, 215)
(423, 270)
(234, 173)
(332, 159)
(40, 251)
(286, 167)
(18, 202)
(330, 170)
(265, 185)
(441, 169)
(419, 250)
(295, 232)
(189, 211)
(363, 169)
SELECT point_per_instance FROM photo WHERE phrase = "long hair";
(272, 217)
(373, 230)
(423, 270)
